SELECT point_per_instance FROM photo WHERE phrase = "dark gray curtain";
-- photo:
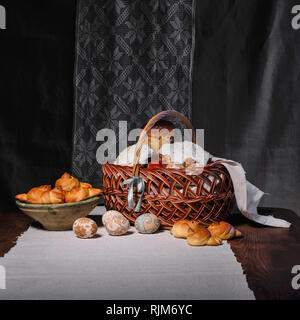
(133, 61)
(246, 91)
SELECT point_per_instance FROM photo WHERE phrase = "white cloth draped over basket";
(248, 196)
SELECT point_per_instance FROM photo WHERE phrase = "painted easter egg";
(115, 223)
(147, 223)
(85, 228)
(108, 215)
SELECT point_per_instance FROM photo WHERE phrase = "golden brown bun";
(43, 195)
(54, 196)
(85, 185)
(214, 241)
(34, 195)
(202, 237)
(223, 230)
(199, 237)
(161, 133)
(67, 182)
(182, 228)
(81, 193)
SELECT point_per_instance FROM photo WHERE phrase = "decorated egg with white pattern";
(85, 228)
(108, 215)
(147, 223)
(115, 223)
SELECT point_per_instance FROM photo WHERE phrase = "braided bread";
(202, 237)
(223, 230)
(198, 235)
(182, 228)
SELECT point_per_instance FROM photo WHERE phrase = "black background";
(245, 92)
(36, 94)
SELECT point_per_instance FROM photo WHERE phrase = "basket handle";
(151, 123)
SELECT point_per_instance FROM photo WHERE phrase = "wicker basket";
(170, 194)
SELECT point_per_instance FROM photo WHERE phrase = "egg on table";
(115, 223)
(147, 223)
(85, 228)
(108, 215)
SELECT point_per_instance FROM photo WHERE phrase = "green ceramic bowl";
(58, 216)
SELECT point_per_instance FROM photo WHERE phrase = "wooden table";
(266, 254)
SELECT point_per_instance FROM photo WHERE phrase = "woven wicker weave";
(171, 194)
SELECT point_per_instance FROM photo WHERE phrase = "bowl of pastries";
(57, 208)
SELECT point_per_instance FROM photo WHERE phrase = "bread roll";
(198, 238)
(43, 195)
(67, 182)
(85, 185)
(202, 237)
(182, 228)
(223, 230)
(54, 196)
(34, 195)
(81, 193)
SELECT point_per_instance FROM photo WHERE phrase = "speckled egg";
(115, 223)
(147, 223)
(108, 215)
(85, 228)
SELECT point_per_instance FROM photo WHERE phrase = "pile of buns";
(198, 235)
(67, 189)
(160, 151)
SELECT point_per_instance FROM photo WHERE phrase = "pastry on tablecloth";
(198, 235)
(202, 237)
(182, 228)
(223, 230)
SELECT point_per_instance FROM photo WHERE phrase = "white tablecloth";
(57, 265)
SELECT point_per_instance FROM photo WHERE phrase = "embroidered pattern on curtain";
(133, 60)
